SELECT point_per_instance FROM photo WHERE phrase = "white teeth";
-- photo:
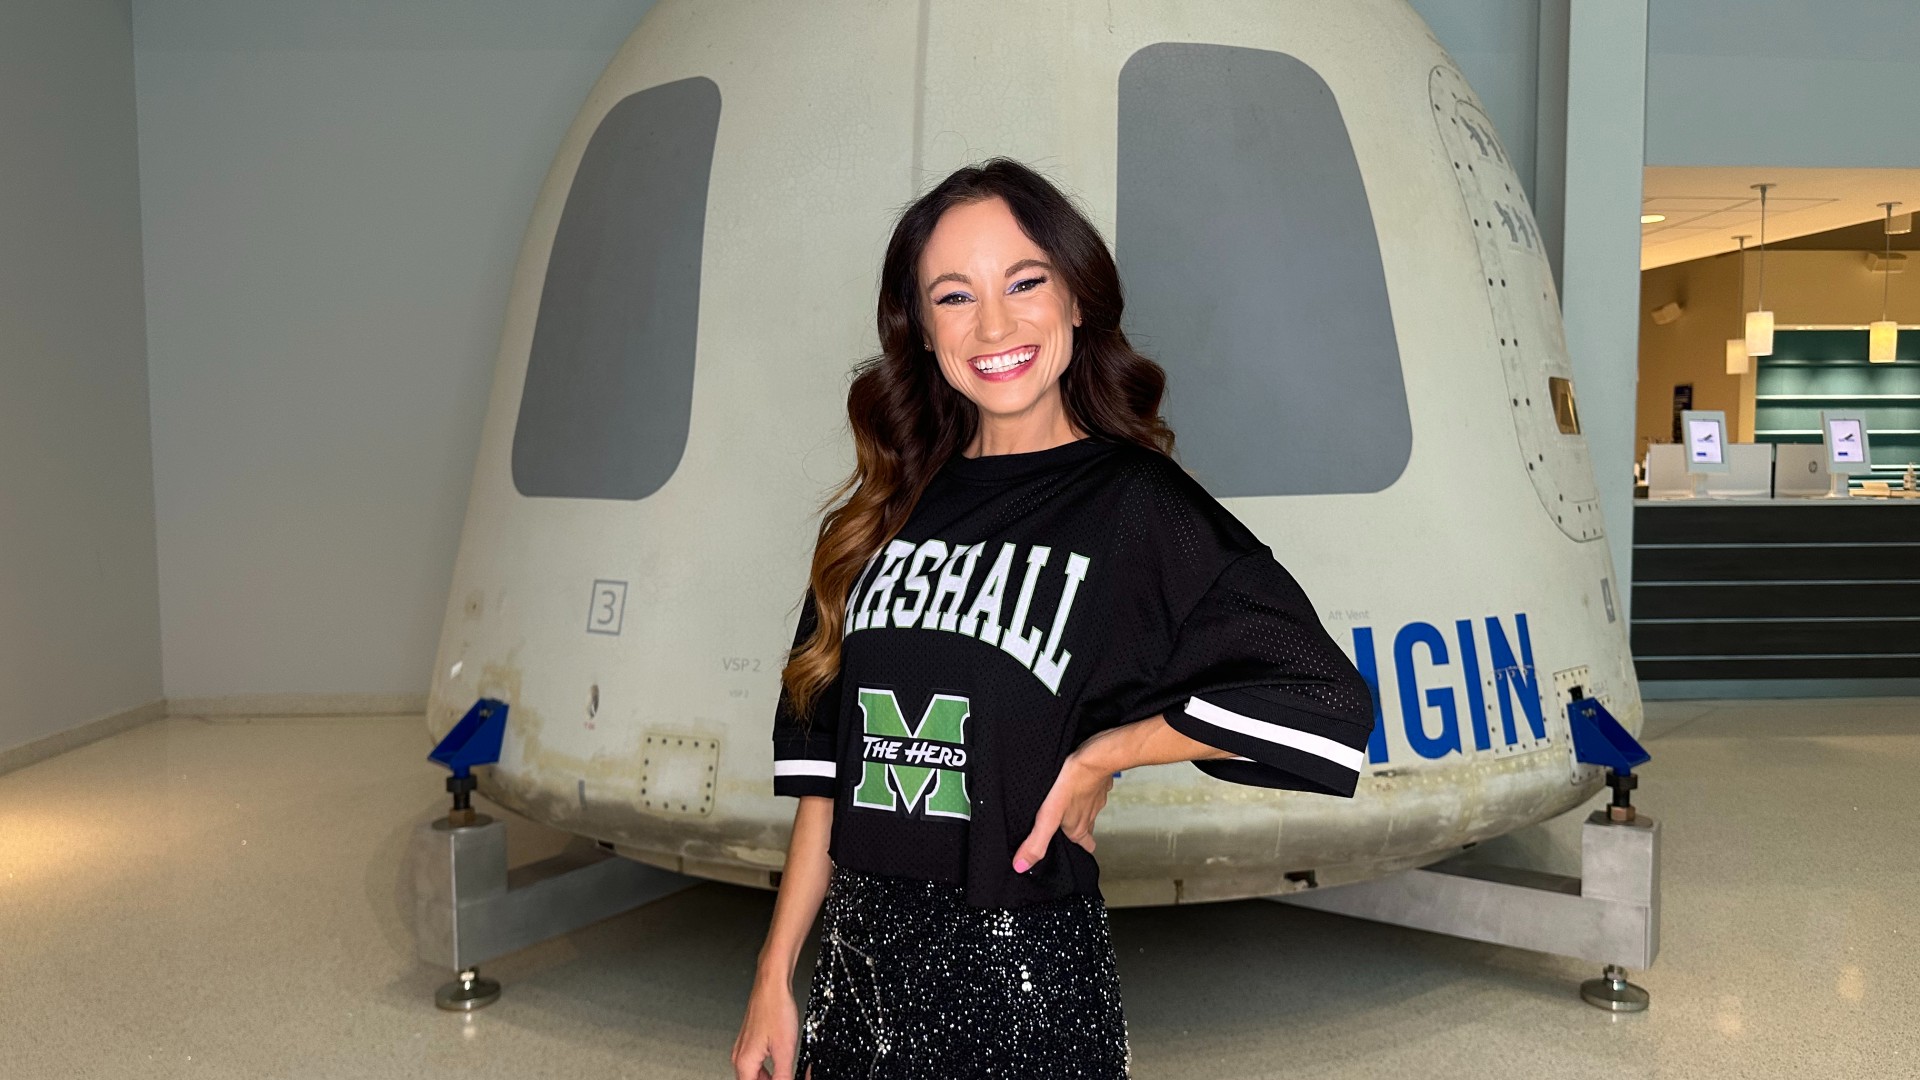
(1004, 363)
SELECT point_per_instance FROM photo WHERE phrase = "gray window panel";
(1253, 273)
(609, 386)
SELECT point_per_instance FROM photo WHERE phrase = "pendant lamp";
(1884, 335)
(1760, 320)
(1738, 363)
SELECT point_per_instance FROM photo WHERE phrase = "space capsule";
(1322, 241)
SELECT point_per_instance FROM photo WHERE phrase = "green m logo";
(926, 764)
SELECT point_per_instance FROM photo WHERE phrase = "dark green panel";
(1811, 370)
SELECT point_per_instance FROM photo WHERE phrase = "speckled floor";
(226, 899)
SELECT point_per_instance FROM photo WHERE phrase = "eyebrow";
(1011, 270)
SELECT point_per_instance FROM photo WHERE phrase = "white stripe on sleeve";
(804, 767)
(1305, 742)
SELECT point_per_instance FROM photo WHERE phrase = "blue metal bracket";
(1598, 739)
(475, 740)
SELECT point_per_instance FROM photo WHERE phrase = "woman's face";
(997, 315)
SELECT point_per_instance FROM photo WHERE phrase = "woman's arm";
(772, 1025)
(1080, 791)
(803, 885)
(1144, 742)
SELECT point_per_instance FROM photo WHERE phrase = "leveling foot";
(1613, 992)
(467, 993)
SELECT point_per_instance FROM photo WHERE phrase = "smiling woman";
(909, 417)
(1092, 609)
(1004, 342)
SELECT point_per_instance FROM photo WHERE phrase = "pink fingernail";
(1020, 866)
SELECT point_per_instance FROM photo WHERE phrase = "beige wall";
(1691, 349)
(1825, 288)
(1820, 288)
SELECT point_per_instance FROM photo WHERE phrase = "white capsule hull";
(638, 639)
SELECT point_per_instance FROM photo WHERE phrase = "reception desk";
(1776, 597)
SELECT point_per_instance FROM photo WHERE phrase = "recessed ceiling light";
(1648, 219)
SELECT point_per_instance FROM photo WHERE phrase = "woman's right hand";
(772, 1026)
(771, 1030)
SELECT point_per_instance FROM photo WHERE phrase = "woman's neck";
(1021, 435)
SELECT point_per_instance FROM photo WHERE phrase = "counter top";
(1640, 499)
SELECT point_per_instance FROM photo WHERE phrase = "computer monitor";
(1749, 474)
(1844, 434)
(1706, 440)
(1667, 475)
(1800, 472)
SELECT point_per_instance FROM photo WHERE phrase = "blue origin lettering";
(1441, 686)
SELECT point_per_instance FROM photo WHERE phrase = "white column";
(1550, 130)
(1606, 95)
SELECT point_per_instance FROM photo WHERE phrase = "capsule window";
(1253, 273)
(608, 394)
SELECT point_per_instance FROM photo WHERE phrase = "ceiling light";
(1883, 336)
(1648, 219)
(1737, 360)
(1738, 363)
(1760, 320)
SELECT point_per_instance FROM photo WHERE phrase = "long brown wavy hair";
(907, 421)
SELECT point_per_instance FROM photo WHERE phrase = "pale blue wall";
(334, 196)
(79, 620)
(1783, 82)
(1497, 45)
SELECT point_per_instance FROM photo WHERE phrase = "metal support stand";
(466, 913)
(1613, 992)
(1610, 914)
(467, 993)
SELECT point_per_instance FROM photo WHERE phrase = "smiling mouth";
(1000, 363)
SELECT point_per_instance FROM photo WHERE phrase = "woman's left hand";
(1077, 796)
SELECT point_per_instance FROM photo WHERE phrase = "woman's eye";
(952, 297)
(1020, 286)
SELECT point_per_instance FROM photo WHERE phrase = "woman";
(1017, 597)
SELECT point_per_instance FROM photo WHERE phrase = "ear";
(1076, 313)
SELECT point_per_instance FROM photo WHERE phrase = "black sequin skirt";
(910, 982)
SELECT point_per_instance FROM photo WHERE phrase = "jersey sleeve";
(805, 751)
(1253, 672)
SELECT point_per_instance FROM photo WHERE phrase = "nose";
(996, 322)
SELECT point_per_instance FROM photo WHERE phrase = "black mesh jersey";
(1030, 601)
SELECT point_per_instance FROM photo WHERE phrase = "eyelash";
(1036, 281)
